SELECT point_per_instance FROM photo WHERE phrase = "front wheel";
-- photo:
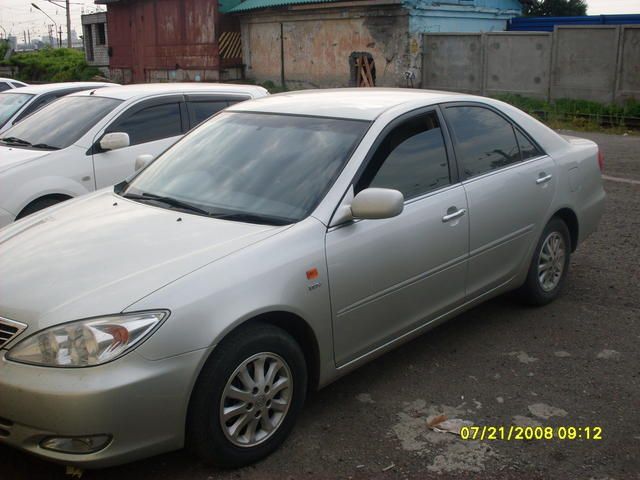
(549, 266)
(248, 397)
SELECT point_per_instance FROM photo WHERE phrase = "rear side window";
(152, 123)
(412, 158)
(199, 111)
(16, 84)
(484, 140)
(527, 149)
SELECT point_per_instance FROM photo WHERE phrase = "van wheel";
(550, 265)
(41, 204)
(248, 397)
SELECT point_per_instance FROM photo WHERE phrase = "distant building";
(327, 43)
(171, 40)
(96, 40)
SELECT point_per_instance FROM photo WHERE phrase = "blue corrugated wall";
(546, 24)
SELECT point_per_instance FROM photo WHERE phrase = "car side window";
(4, 86)
(412, 158)
(16, 84)
(150, 124)
(199, 111)
(484, 140)
(36, 105)
(527, 149)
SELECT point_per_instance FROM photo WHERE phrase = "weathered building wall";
(598, 63)
(316, 44)
(167, 40)
(96, 40)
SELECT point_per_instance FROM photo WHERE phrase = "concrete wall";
(598, 63)
(316, 44)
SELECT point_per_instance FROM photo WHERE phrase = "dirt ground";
(573, 363)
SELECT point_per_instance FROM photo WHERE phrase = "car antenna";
(92, 92)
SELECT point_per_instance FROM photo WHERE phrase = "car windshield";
(59, 124)
(10, 103)
(259, 168)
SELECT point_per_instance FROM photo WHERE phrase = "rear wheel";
(549, 266)
(248, 397)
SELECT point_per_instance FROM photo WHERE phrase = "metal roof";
(256, 4)
(547, 24)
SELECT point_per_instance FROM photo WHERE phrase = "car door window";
(527, 149)
(4, 86)
(484, 140)
(412, 158)
(199, 111)
(149, 124)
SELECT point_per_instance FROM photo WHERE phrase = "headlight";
(87, 343)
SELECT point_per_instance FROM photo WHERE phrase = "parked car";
(92, 139)
(9, 83)
(191, 304)
(16, 105)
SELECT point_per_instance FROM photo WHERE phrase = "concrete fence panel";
(453, 61)
(629, 61)
(596, 62)
(585, 63)
(518, 62)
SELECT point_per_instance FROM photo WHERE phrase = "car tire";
(40, 204)
(267, 409)
(549, 266)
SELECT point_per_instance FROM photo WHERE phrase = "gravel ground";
(573, 363)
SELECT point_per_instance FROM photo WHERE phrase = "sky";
(18, 16)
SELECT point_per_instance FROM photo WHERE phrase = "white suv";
(92, 139)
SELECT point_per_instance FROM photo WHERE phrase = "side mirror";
(142, 161)
(377, 203)
(114, 141)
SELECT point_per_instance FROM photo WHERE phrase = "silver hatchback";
(278, 246)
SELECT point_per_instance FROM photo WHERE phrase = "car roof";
(5, 79)
(354, 103)
(53, 87)
(126, 92)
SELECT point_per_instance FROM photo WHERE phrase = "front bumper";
(141, 403)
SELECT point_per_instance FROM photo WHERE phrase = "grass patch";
(580, 114)
(53, 65)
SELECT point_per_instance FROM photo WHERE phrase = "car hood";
(99, 254)
(12, 157)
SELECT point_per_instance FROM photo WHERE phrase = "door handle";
(544, 179)
(454, 215)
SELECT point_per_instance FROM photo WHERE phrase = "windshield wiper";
(15, 141)
(44, 146)
(254, 218)
(167, 200)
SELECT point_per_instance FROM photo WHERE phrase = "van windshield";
(251, 167)
(59, 124)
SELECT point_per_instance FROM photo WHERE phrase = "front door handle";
(454, 215)
(544, 178)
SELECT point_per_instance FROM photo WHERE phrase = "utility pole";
(68, 25)
(60, 37)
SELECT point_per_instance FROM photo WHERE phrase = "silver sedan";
(280, 245)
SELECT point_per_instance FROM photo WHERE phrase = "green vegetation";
(554, 8)
(579, 114)
(4, 48)
(53, 65)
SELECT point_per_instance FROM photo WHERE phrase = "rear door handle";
(454, 215)
(544, 179)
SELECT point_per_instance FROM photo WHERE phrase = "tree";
(554, 8)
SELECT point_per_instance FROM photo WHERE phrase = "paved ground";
(576, 362)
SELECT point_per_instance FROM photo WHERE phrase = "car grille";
(9, 330)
